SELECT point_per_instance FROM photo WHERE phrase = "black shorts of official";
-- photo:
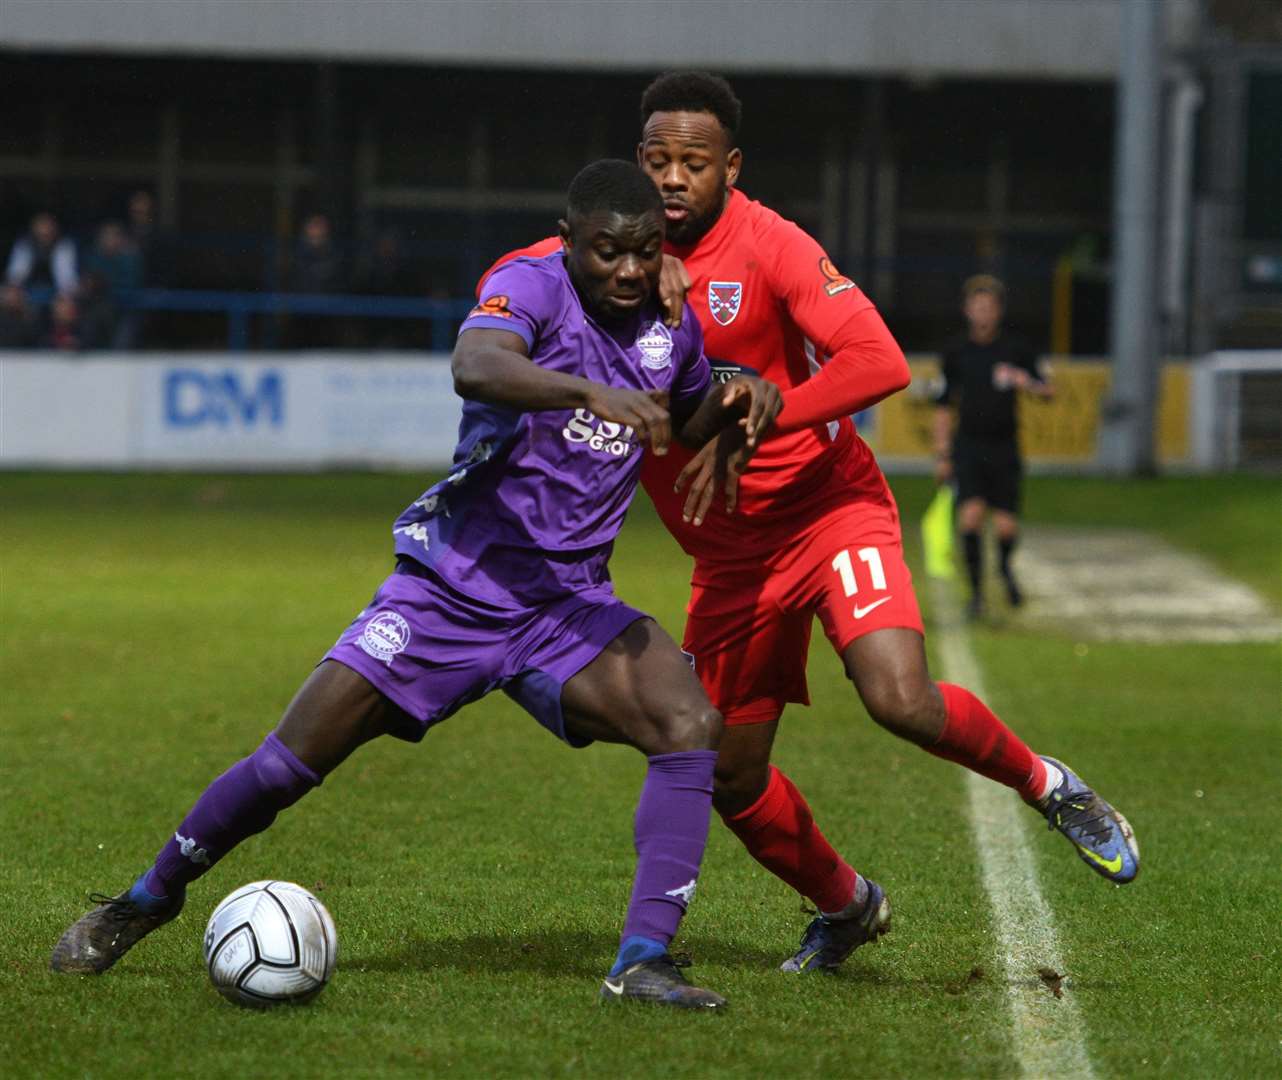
(991, 471)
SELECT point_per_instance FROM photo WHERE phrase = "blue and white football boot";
(1104, 839)
(827, 942)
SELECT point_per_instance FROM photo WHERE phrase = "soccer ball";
(270, 943)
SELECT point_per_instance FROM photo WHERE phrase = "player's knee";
(737, 785)
(909, 710)
(691, 726)
(282, 778)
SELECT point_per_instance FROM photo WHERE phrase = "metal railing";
(442, 315)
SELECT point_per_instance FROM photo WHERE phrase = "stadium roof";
(1051, 39)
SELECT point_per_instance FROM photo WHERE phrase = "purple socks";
(671, 832)
(241, 802)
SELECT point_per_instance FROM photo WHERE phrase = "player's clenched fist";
(645, 411)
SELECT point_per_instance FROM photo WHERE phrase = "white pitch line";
(1047, 1031)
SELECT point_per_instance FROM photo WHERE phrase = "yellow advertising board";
(1061, 431)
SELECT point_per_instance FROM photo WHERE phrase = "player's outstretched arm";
(864, 362)
(494, 366)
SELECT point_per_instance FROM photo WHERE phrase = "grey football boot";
(659, 981)
(102, 936)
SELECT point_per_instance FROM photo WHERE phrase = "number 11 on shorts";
(844, 566)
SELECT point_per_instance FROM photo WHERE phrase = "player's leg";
(335, 712)
(1006, 528)
(780, 832)
(972, 504)
(640, 690)
(750, 653)
(887, 664)
(1004, 502)
(970, 525)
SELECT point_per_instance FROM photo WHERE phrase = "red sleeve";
(864, 365)
(543, 247)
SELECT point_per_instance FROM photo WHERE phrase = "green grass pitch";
(155, 626)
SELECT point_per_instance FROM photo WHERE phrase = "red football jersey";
(771, 303)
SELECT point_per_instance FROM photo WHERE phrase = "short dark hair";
(613, 185)
(693, 91)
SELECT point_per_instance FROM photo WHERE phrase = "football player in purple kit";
(566, 369)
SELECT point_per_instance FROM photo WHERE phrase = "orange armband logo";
(492, 305)
(837, 281)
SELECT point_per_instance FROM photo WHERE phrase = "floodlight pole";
(1127, 419)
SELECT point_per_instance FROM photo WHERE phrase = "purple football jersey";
(534, 500)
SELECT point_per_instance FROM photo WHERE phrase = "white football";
(270, 943)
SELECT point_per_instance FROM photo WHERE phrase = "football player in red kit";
(815, 530)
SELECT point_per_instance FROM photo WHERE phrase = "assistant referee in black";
(982, 378)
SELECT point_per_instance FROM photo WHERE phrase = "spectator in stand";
(100, 317)
(157, 255)
(317, 264)
(384, 271)
(64, 324)
(317, 269)
(116, 268)
(43, 258)
(19, 328)
(155, 244)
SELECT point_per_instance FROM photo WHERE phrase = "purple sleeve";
(515, 298)
(693, 375)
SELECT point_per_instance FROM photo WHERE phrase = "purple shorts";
(431, 650)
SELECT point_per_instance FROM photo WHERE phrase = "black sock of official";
(974, 559)
(1006, 545)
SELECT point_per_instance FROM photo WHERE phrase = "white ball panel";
(232, 957)
(279, 983)
(273, 930)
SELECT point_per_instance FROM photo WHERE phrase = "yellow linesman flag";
(937, 534)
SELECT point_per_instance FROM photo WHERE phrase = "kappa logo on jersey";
(385, 635)
(610, 438)
(654, 342)
(724, 300)
(837, 281)
(492, 305)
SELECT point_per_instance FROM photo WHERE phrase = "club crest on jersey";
(655, 346)
(385, 635)
(724, 299)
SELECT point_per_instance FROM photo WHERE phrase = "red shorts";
(748, 628)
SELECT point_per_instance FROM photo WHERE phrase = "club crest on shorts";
(654, 342)
(385, 635)
(724, 298)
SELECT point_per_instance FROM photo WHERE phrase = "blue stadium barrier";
(443, 315)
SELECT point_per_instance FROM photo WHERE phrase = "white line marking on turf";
(1048, 1034)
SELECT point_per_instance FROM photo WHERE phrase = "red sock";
(780, 833)
(974, 737)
